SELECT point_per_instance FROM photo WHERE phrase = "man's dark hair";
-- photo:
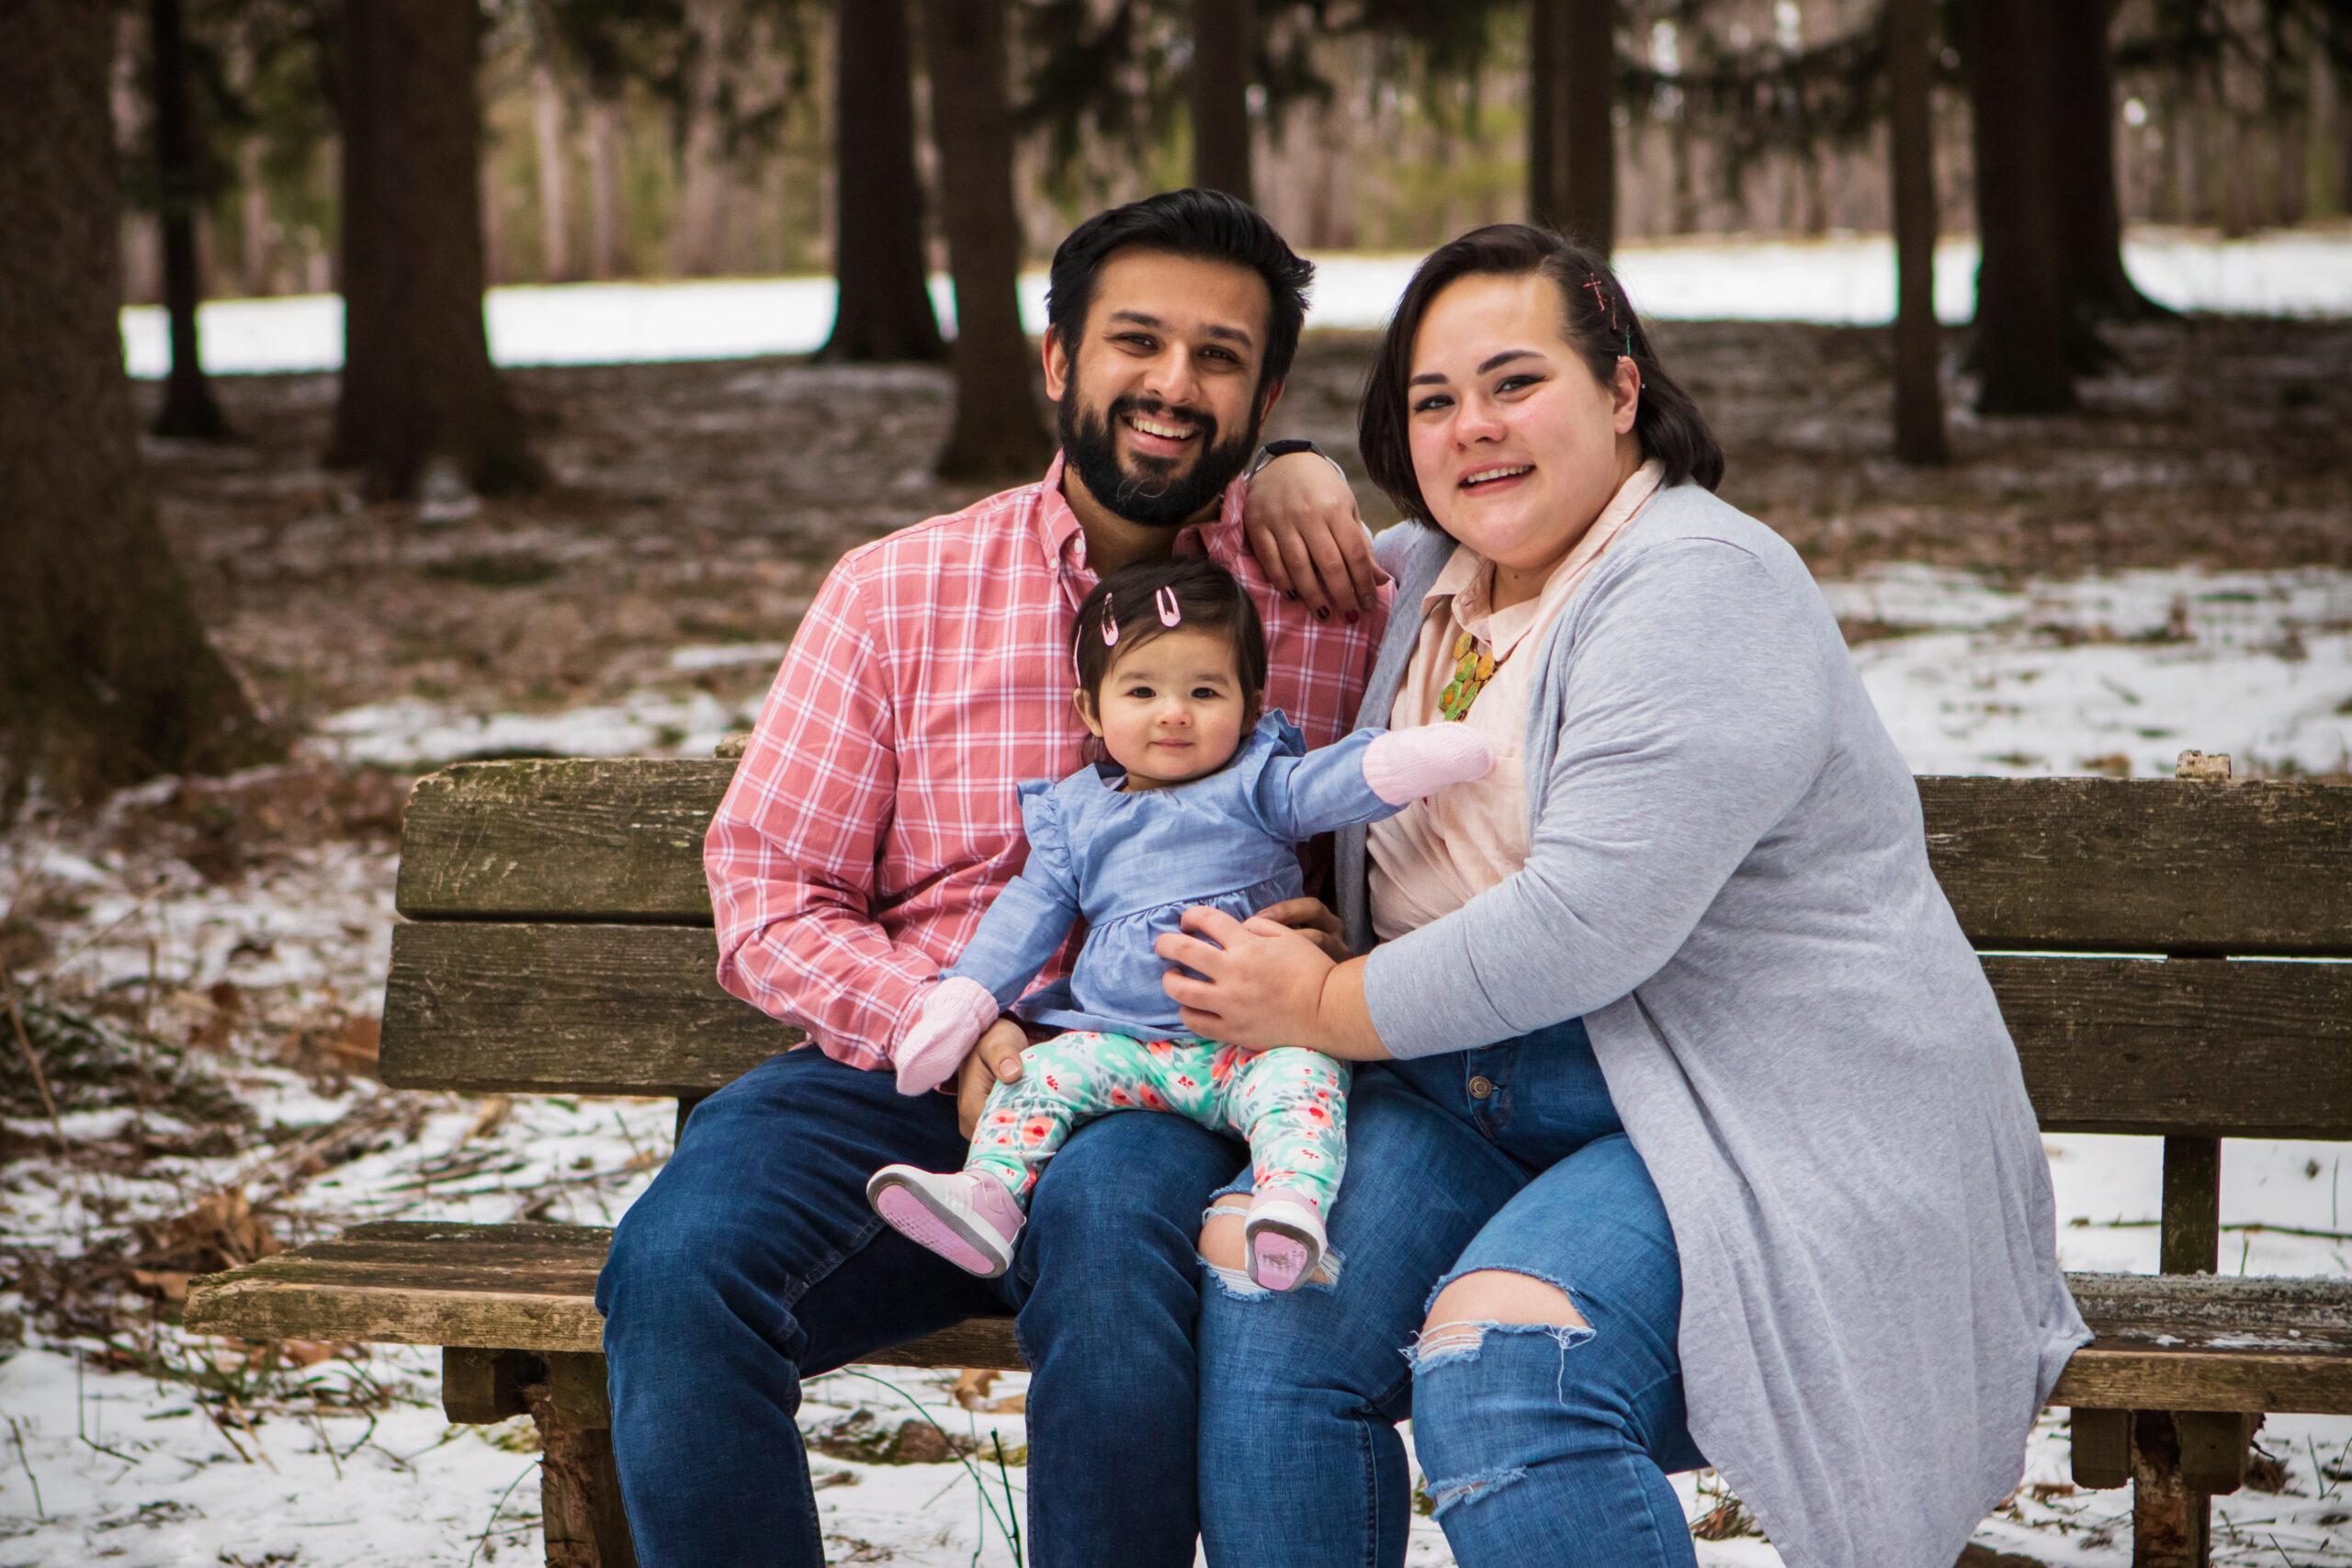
(1205, 224)
(1208, 598)
(1596, 320)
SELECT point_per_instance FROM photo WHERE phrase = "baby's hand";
(952, 1019)
(1405, 764)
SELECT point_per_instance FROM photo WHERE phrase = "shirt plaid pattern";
(873, 816)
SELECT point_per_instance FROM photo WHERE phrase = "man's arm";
(1303, 525)
(791, 852)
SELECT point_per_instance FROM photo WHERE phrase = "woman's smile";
(1494, 476)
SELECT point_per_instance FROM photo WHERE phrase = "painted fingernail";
(1291, 594)
(1323, 614)
(1353, 618)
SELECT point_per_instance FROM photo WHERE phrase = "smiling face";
(1173, 709)
(1161, 399)
(1516, 445)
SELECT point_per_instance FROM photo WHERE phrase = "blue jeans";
(753, 1261)
(1542, 1445)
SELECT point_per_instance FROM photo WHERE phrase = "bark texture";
(105, 677)
(2022, 320)
(1224, 48)
(417, 381)
(1571, 139)
(1918, 396)
(998, 432)
(189, 410)
(884, 310)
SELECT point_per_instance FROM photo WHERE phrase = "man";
(870, 822)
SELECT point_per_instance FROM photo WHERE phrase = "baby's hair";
(1131, 606)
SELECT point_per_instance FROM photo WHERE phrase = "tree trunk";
(884, 303)
(607, 252)
(417, 381)
(1918, 397)
(2082, 164)
(2021, 316)
(1224, 54)
(696, 243)
(555, 188)
(105, 677)
(188, 408)
(1572, 140)
(998, 432)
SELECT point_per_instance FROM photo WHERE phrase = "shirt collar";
(1464, 577)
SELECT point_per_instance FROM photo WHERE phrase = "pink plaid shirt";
(873, 817)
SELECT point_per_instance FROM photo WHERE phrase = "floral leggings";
(1291, 1104)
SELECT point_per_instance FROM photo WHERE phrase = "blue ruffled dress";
(1131, 865)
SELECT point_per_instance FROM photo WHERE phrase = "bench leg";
(580, 1489)
(2170, 1523)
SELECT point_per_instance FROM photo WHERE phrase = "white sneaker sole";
(930, 1220)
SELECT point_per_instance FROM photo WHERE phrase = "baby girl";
(1202, 801)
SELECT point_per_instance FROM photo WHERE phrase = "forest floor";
(202, 961)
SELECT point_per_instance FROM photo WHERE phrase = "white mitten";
(1405, 764)
(954, 1016)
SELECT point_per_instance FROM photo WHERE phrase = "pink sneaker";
(1285, 1235)
(966, 1218)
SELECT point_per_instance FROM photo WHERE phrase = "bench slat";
(2110, 865)
(2109, 1045)
(589, 838)
(2283, 1345)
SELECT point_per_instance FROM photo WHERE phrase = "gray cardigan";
(1728, 881)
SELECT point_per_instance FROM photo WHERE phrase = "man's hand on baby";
(955, 1014)
(995, 1060)
(1405, 764)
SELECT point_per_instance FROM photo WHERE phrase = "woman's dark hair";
(1207, 599)
(1597, 321)
(1205, 224)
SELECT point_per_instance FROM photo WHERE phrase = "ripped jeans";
(1541, 1445)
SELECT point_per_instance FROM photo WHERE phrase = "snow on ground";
(348, 1460)
(1847, 278)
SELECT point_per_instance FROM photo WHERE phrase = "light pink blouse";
(1445, 848)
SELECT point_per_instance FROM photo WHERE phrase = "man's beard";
(1162, 495)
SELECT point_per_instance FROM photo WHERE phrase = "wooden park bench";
(557, 939)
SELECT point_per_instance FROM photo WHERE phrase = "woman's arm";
(1698, 715)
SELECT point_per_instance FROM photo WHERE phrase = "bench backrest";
(557, 939)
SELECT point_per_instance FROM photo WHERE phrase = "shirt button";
(1481, 1088)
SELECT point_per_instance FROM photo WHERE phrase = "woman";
(1699, 1132)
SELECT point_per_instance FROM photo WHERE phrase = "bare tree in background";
(550, 109)
(2087, 207)
(417, 381)
(2022, 317)
(998, 432)
(1918, 395)
(1571, 139)
(1225, 48)
(695, 242)
(884, 302)
(189, 408)
(105, 677)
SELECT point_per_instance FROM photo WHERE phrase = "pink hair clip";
(1169, 615)
(1110, 624)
